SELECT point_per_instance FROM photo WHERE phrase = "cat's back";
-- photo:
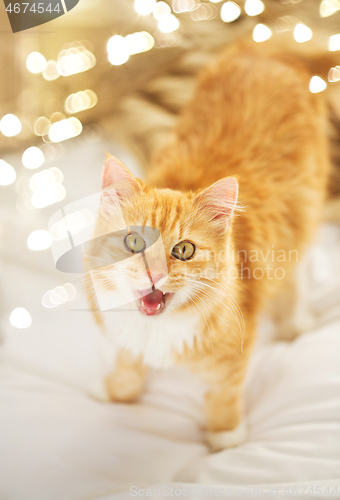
(252, 112)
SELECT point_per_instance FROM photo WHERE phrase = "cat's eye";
(183, 250)
(134, 243)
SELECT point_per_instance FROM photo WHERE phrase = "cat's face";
(167, 256)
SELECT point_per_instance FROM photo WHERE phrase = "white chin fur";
(227, 439)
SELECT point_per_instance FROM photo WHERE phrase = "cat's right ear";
(116, 176)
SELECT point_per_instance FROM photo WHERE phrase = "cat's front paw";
(228, 439)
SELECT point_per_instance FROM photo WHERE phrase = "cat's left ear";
(116, 175)
(219, 201)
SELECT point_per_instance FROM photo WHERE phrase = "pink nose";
(156, 277)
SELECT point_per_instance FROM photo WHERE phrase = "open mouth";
(153, 302)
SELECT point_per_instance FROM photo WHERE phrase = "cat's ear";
(116, 175)
(219, 201)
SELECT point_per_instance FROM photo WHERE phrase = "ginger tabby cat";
(236, 196)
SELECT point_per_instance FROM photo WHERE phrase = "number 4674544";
(36, 8)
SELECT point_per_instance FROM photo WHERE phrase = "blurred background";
(110, 75)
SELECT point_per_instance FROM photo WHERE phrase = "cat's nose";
(157, 278)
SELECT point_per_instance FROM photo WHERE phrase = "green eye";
(183, 250)
(134, 243)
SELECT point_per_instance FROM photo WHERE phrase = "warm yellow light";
(65, 129)
(33, 158)
(180, 6)
(139, 42)
(144, 7)
(48, 177)
(76, 59)
(160, 9)
(261, 33)
(51, 71)
(48, 196)
(40, 125)
(334, 74)
(168, 23)
(230, 11)
(20, 318)
(334, 42)
(329, 7)
(317, 85)
(10, 125)
(35, 62)
(254, 7)
(118, 50)
(7, 173)
(80, 101)
(39, 240)
(302, 33)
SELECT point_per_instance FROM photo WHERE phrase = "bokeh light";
(51, 71)
(33, 158)
(317, 84)
(204, 12)
(20, 318)
(254, 7)
(334, 74)
(168, 23)
(65, 129)
(139, 42)
(334, 42)
(160, 9)
(7, 173)
(180, 6)
(329, 7)
(118, 51)
(230, 11)
(39, 240)
(35, 62)
(302, 33)
(144, 7)
(10, 125)
(73, 223)
(75, 59)
(59, 295)
(261, 33)
(80, 101)
(40, 125)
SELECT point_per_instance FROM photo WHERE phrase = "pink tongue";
(153, 299)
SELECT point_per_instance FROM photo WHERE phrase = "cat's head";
(163, 249)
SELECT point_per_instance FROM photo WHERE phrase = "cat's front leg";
(225, 418)
(126, 382)
(224, 402)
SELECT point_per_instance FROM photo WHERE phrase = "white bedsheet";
(57, 443)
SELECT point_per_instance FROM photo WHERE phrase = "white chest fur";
(158, 338)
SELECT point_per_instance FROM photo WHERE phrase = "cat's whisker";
(228, 326)
(206, 322)
(236, 308)
(214, 312)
